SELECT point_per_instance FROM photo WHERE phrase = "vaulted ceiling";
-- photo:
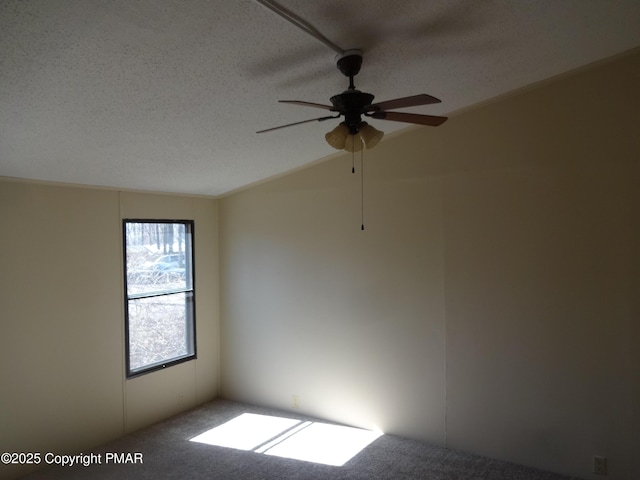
(166, 95)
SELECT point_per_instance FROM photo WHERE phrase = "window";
(160, 295)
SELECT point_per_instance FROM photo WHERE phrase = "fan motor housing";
(352, 104)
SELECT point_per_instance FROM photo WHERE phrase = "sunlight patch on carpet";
(246, 432)
(290, 438)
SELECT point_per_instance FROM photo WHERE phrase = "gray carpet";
(167, 453)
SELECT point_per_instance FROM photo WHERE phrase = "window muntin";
(160, 296)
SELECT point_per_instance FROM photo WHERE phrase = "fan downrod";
(349, 63)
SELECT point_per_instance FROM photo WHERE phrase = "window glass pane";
(158, 258)
(159, 330)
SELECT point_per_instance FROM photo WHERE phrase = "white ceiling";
(167, 95)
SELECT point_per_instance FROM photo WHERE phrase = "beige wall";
(62, 374)
(491, 304)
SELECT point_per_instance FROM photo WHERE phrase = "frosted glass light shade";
(370, 136)
(337, 137)
(353, 143)
(341, 139)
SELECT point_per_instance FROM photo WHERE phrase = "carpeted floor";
(167, 453)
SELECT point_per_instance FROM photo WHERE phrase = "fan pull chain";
(353, 162)
(362, 188)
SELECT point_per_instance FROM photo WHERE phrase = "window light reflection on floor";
(290, 438)
(246, 432)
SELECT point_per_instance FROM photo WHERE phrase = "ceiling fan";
(353, 133)
(352, 104)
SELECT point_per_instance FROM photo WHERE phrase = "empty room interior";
(473, 285)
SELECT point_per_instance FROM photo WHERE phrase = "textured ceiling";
(167, 95)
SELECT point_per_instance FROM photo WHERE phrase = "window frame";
(190, 316)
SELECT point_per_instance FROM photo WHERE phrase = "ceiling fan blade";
(430, 120)
(307, 104)
(297, 123)
(413, 101)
